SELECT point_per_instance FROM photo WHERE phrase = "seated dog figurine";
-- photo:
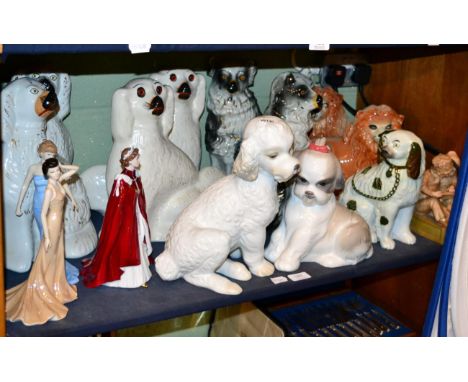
(292, 99)
(189, 90)
(315, 228)
(230, 105)
(233, 213)
(358, 147)
(386, 193)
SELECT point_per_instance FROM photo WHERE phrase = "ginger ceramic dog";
(142, 117)
(189, 90)
(230, 105)
(386, 193)
(26, 106)
(359, 145)
(315, 228)
(80, 235)
(232, 213)
(293, 99)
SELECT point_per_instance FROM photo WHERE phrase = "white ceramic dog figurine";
(189, 90)
(230, 105)
(315, 228)
(80, 235)
(293, 99)
(56, 130)
(26, 105)
(143, 116)
(385, 194)
(232, 213)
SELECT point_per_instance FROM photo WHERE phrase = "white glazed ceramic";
(233, 213)
(386, 193)
(315, 228)
(189, 91)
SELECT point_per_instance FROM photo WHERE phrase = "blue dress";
(40, 184)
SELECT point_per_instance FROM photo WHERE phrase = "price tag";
(299, 276)
(319, 46)
(139, 48)
(278, 280)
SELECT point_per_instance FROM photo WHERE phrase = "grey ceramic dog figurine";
(230, 106)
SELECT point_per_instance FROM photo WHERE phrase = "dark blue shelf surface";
(105, 309)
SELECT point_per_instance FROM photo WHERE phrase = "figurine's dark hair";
(126, 156)
(48, 164)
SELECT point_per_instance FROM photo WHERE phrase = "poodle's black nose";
(232, 87)
(297, 168)
(50, 102)
(157, 104)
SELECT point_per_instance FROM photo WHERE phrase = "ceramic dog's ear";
(414, 161)
(63, 94)
(199, 101)
(246, 165)
(169, 107)
(339, 179)
(122, 116)
(276, 87)
(7, 113)
(252, 70)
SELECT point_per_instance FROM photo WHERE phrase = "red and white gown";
(121, 258)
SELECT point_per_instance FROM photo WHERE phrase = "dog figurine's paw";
(387, 243)
(405, 237)
(286, 264)
(263, 269)
(235, 270)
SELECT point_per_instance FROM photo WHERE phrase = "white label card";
(299, 276)
(319, 46)
(139, 48)
(278, 280)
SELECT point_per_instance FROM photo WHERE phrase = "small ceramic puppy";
(386, 193)
(293, 99)
(233, 213)
(189, 91)
(315, 228)
(230, 105)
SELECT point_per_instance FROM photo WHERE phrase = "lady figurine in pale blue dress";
(47, 149)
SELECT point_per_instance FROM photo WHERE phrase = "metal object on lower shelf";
(343, 315)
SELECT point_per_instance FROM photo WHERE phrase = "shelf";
(105, 309)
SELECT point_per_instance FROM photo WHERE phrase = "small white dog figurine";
(385, 194)
(315, 228)
(232, 213)
(230, 106)
(143, 116)
(293, 99)
(26, 105)
(189, 90)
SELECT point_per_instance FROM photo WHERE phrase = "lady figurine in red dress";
(121, 258)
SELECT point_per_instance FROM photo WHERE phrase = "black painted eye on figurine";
(34, 91)
(141, 92)
(373, 127)
(173, 77)
(53, 77)
(191, 77)
(388, 127)
(242, 77)
(159, 89)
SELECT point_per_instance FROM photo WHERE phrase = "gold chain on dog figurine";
(392, 191)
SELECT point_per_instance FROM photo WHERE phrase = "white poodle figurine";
(80, 235)
(232, 213)
(143, 116)
(189, 90)
(315, 228)
(385, 194)
(25, 107)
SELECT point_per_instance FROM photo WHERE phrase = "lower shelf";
(106, 309)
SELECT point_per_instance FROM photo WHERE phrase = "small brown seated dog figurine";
(358, 147)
